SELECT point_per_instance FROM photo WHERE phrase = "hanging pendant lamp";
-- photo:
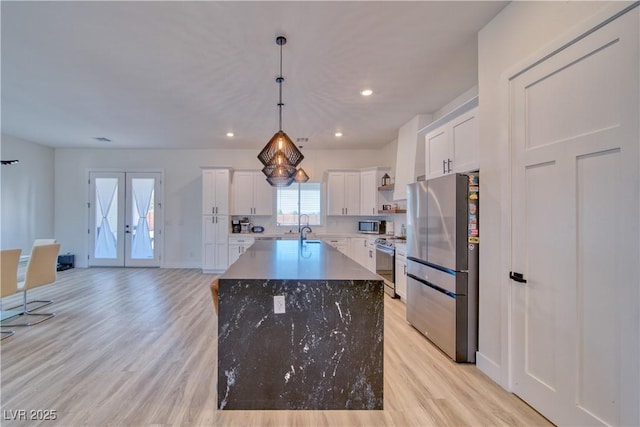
(280, 154)
(300, 176)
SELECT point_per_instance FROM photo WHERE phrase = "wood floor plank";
(138, 347)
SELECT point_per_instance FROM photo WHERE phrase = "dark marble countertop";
(290, 259)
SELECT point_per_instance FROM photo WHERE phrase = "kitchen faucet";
(303, 235)
(300, 221)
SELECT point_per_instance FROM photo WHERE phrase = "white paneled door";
(574, 337)
(125, 218)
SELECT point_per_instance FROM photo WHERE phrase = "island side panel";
(324, 352)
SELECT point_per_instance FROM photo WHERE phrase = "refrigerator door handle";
(518, 277)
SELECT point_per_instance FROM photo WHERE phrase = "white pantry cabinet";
(343, 193)
(252, 194)
(215, 218)
(215, 191)
(215, 232)
(453, 146)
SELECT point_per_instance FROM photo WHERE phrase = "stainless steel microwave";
(371, 227)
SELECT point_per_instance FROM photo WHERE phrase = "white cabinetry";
(358, 250)
(215, 229)
(401, 271)
(363, 251)
(215, 218)
(238, 246)
(453, 146)
(370, 261)
(215, 191)
(252, 195)
(343, 193)
(371, 200)
(341, 244)
(410, 155)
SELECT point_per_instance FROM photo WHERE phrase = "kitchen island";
(300, 326)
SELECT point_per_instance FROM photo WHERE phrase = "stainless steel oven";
(385, 265)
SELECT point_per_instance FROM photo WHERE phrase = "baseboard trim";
(489, 367)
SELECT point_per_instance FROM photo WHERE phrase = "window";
(303, 198)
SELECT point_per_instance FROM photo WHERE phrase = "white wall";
(182, 189)
(519, 31)
(26, 194)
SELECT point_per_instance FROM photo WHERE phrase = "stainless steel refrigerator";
(442, 262)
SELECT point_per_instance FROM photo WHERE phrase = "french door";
(574, 297)
(125, 219)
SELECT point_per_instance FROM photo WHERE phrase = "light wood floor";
(137, 347)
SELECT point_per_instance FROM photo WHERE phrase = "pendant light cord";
(280, 79)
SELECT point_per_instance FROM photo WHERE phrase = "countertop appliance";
(371, 227)
(245, 225)
(235, 226)
(442, 262)
(257, 229)
(386, 264)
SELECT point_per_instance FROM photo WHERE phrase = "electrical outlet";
(278, 304)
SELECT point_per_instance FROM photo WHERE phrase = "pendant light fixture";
(300, 176)
(280, 156)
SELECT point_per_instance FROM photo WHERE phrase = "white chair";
(9, 259)
(41, 270)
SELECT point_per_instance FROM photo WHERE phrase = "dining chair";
(22, 275)
(214, 294)
(9, 259)
(41, 270)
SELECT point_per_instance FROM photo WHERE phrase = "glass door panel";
(106, 229)
(142, 210)
(125, 218)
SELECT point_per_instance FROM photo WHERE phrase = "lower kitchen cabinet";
(341, 244)
(238, 246)
(401, 271)
(370, 261)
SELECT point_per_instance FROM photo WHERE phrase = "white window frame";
(300, 188)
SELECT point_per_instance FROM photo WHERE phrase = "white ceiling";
(183, 74)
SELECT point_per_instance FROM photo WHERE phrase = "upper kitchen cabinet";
(452, 146)
(252, 194)
(372, 200)
(343, 192)
(215, 191)
(409, 156)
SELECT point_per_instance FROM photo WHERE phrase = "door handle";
(518, 277)
(449, 165)
(444, 166)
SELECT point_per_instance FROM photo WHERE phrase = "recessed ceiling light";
(338, 134)
(366, 92)
(229, 134)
